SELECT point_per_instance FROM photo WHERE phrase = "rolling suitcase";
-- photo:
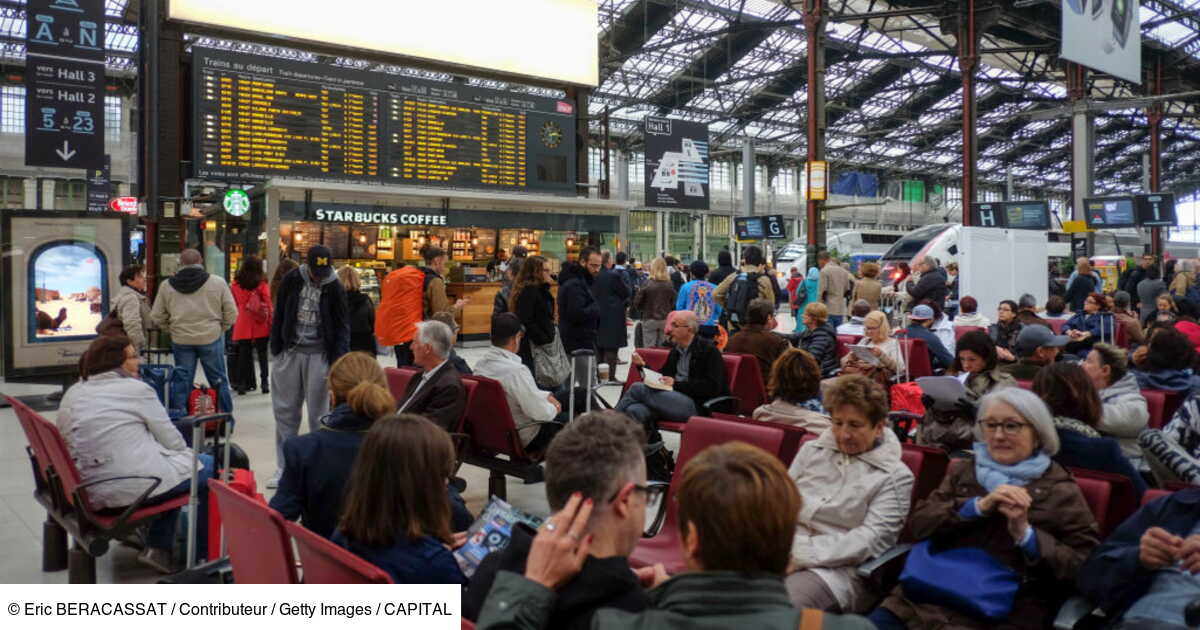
(588, 359)
(219, 571)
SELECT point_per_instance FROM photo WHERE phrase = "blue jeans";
(212, 359)
(885, 620)
(162, 531)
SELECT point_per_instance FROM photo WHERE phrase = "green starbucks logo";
(236, 202)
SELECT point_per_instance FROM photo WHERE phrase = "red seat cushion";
(107, 518)
(655, 359)
(959, 331)
(1154, 493)
(928, 466)
(398, 379)
(260, 549)
(1110, 496)
(1156, 402)
(916, 354)
(701, 433)
(324, 562)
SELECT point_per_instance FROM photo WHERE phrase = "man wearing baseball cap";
(311, 329)
(920, 322)
(1037, 346)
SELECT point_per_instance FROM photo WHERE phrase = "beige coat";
(195, 319)
(787, 413)
(853, 510)
(868, 289)
(833, 284)
(134, 313)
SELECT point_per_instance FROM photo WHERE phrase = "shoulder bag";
(966, 579)
(550, 364)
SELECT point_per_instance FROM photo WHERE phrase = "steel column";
(1154, 115)
(968, 61)
(814, 27)
(1082, 144)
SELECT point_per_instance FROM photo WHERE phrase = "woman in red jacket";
(253, 327)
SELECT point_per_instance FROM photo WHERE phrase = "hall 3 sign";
(64, 113)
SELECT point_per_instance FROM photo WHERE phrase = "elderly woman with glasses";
(1015, 503)
(886, 358)
(856, 493)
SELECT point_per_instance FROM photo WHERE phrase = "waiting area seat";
(327, 563)
(398, 379)
(495, 443)
(260, 549)
(701, 433)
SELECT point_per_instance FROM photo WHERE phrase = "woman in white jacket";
(1124, 413)
(115, 426)
(856, 492)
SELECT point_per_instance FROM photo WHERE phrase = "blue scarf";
(813, 404)
(992, 475)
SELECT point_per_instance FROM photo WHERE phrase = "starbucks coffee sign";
(376, 216)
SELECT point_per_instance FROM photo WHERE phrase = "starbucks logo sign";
(236, 202)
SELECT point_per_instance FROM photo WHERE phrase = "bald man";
(694, 371)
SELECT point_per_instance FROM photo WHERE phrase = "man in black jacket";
(310, 331)
(597, 455)
(932, 285)
(438, 393)
(612, 295)
(694, 372)
(724, 267)
(578, 311)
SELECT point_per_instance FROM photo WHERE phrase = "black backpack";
(741, 292)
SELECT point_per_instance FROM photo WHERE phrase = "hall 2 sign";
(378, 217)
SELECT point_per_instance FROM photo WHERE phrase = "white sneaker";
(273, 482)
(157, 559)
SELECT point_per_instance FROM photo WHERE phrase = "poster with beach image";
(67, 281)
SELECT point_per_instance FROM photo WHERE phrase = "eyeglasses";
(1009, 428)
(656, 492)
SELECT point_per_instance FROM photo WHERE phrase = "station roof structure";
(893, 88)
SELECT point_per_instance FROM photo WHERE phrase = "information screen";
(1031, 215)
(749, 228)
(258, 117)
(1017, 215)
(1110, 212)
(1156, 210)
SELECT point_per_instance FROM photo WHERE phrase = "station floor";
(21, 517)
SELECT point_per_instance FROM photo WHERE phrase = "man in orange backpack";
(410, 295)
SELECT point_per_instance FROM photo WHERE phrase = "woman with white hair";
(1013, 502)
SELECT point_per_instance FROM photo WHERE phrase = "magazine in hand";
(490, 532)
(944, 390)
(863, 353)
(653, 380)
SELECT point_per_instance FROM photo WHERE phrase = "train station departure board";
(258, 117)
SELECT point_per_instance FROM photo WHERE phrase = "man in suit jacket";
(694, 370)
(438, 393)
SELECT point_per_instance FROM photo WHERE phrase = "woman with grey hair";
(1184, 278)
(1012, 501)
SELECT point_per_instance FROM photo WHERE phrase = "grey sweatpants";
(297, 378)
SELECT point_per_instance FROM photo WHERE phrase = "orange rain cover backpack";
(401, 305)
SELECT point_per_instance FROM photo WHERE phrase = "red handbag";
(907, 397)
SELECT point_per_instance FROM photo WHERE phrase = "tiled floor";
(21, 516)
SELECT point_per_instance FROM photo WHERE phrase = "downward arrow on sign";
(66, 153)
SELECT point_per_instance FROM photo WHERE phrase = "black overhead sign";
(1014, 215)
(65, 28)
(64, 83)
(64, 113)
(1155, 209)
(258, 117)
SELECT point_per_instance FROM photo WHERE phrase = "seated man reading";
(1146, 573)
(694, 372)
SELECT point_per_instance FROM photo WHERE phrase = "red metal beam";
(814, 25)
